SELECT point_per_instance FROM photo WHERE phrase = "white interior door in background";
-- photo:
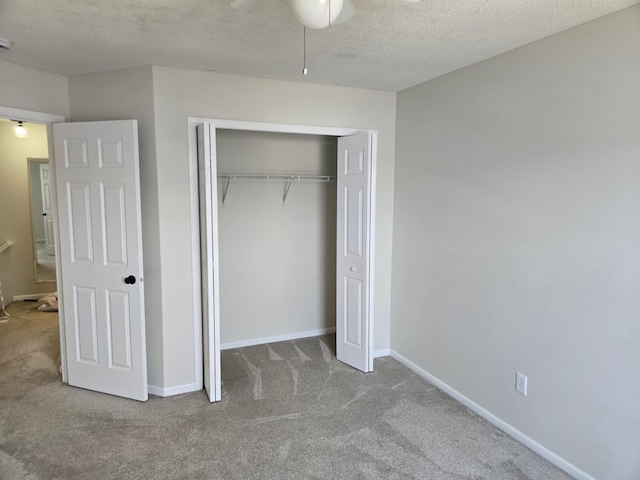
(207, 178)
(354, 266)
(97, 187)
(47, 208)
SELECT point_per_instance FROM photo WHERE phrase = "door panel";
(86, 324)
(353, 322)
(353, 227)
(80, 221)
(119, 330)
(114, 225)
(98, 196)
(353, 311)
(209, 261)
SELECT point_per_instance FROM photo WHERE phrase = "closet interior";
(277, 235)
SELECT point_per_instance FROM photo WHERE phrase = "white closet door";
(354, 255)
(209, 260)
(97, 186)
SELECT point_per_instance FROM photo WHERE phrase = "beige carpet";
(289, 411)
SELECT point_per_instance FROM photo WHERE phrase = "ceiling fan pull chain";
(304, 51)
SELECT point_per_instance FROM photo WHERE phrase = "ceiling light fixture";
(20, 130)
(317, 14)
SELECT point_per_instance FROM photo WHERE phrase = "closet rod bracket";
(286, 190)
(226, 189)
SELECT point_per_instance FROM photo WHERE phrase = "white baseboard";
(278, 338)
(501, 424)
(32, 296)
(384, 352)
(170, 391)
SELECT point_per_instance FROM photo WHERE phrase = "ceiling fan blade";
(348, 11)
(239, 4)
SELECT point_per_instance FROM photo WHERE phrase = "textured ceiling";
(387, 45)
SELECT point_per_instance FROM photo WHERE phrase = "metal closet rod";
(288, 179)
(277, 178)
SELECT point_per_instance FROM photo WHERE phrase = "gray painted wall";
(517, 239)
(277, 262)
(179, 94)
(29, 89)
(120, 95)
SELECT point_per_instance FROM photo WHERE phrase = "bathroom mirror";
(42, 220)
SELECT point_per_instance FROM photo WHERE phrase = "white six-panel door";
(353, 325)
(97, 185)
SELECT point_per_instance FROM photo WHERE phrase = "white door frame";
(216, 123)
(47, 119)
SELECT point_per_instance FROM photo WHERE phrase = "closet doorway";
(355, 214)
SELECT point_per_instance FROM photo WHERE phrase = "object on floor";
(49, 303)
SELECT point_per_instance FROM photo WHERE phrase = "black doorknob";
(130, 280)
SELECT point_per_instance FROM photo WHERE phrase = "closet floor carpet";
(290, 410)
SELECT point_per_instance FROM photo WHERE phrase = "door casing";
(193, 122)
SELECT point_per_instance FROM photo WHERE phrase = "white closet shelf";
(287, 179)
(5, 245)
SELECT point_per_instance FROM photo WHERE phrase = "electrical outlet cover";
(521, 383)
